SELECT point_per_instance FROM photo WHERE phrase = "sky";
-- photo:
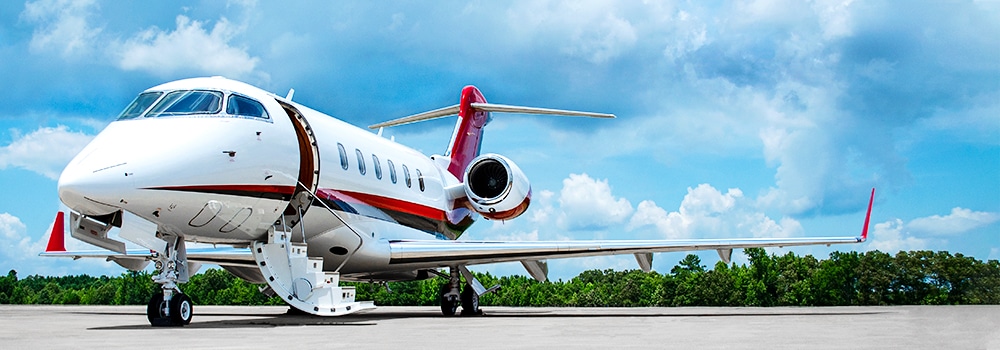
(762, 118)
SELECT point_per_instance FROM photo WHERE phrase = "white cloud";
(707, 212)
(45, 151)
(18, 251)
(896, 235)
(594, 31)
(189, 47)
(11, 226)
(834, 17)
(960, 220)
(587, 203)
(892, 236)
(691, 35)
(62, 26)
(671, 225)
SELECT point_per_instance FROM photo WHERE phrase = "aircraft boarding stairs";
(300, 280)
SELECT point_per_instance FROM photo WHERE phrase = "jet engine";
(496, 187)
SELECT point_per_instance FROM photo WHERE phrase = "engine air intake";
(488, 178)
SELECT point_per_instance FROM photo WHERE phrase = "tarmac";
(240, 327)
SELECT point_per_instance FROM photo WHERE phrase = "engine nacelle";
(496, 187)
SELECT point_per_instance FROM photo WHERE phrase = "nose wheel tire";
(154, 310)
(181, 310)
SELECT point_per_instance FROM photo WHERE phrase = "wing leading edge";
(427, 253)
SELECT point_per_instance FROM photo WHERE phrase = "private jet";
(285, 196)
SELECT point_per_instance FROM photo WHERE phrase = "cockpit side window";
(244, 106)
(187, 102)
(140, 105)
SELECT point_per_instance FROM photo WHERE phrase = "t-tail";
(473, 114)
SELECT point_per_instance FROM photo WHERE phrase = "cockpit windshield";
(199, 103)
(139, 105)
(187, 102)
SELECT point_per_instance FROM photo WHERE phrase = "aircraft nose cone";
(90, 192)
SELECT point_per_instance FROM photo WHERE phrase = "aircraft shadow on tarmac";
(243, 320)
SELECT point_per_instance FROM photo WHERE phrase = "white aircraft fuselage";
(213, 177)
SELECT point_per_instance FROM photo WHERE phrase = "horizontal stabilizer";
(487, 107)
(437, 113)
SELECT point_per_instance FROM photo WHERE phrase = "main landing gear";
(468, 298)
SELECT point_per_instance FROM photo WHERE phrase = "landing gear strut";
(171, 308)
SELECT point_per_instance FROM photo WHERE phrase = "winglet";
(57, 235)
(868, 217)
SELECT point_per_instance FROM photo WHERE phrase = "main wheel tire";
(470, 301)
(448, 307)
(181, 309)
(154, 310)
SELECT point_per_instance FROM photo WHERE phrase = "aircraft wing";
(439, 253)
(224, 256)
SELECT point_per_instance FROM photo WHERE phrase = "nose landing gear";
(171, 307)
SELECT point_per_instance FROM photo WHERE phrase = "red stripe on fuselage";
(380, 202)
(384, 203)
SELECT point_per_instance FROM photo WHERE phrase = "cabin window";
(377, 166)
(420, 180)
(392, 170)
(245, 107)
(406, 176)
(361, 161)
(140, 105)
(343, 155)
(187, 102)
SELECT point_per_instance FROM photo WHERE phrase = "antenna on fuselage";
(291, 92)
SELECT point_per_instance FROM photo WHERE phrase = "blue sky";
(736, 119)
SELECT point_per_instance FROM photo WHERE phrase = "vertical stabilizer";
(468, 136)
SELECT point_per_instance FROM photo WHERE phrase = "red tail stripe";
(469, 131)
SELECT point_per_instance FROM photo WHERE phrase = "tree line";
(845, 278)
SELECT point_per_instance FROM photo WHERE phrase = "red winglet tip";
(57, 236)
(868, 216)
